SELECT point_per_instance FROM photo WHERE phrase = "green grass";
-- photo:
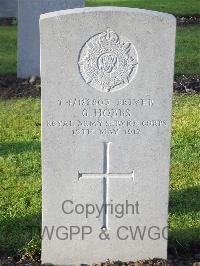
(184, 217)
(20, 174)
(178, 7)
(8, 50)
(187, 50)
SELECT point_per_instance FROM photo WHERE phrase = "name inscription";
(106, 116)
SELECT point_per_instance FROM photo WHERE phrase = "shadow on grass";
(184, 241)
(185, 201)
(7, 148)
(16, 233)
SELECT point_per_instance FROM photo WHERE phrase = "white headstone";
(8, 8)
(29, 12)
(107, 76)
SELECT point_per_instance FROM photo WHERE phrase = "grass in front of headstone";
(184, 216)
(20, 175)
(187, 50)
(178, 7)
(8, 50)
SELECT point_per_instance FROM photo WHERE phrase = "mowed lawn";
(187, 50)
(8, 50)
(178, 7)
(20, 175)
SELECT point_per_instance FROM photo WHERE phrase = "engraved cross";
(105, 176)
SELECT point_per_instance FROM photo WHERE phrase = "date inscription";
(106, 117)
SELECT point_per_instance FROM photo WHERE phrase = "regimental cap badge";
(108, 63)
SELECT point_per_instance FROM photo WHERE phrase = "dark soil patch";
(181, 21)
(186, 21)
(7, 21)
(26, 261)
(12, 87)
(187, 84)
(189, 256)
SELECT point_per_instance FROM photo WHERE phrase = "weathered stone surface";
(29, 12)
(107, 76)
(8, 8)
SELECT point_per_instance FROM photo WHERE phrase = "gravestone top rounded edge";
(107, 9)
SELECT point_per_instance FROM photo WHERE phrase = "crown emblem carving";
(108, 63)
